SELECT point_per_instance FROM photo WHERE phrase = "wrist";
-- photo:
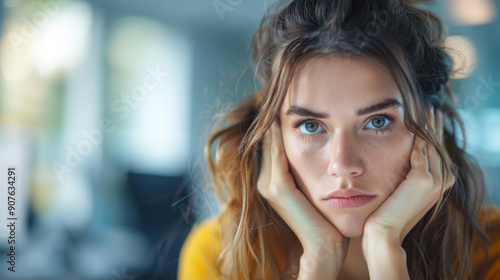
(384, 256)
(314, 266)
(375, 239)
(333, 254)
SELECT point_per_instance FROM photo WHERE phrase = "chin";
(351, 232)
(349, 225)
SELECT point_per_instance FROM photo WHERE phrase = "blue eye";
(379, 122)
(311, 127)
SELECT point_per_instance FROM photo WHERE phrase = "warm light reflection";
(15, 66)
(472, 12)
(491, 118)
(62, 43)
(150, 95)
(464, 56)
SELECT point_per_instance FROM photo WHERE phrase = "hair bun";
(436, 72)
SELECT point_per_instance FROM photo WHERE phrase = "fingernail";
(273, 126)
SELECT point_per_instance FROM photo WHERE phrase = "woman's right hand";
(325, 248)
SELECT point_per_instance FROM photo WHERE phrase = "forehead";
(339, 83)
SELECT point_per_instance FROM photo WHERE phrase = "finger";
(428, 118)
(266, 152)
(439, 125)
(430, 113)
(451, 181)
(265, 165)
(418, 157)
(277, 149)
(434, 165)
(432, 157)
(440, 134)
(421, 145)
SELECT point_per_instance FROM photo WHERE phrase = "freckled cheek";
(404, 158)
(303, 156)
(296, 150)
(390, 163)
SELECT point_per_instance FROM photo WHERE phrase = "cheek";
(304, 159)
(392, 162)
(298, 155)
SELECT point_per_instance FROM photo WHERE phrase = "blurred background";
(105, 106)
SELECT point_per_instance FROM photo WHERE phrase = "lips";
(346, 194)
(349, 198)
(351, 202)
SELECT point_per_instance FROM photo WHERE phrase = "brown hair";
(409, 41)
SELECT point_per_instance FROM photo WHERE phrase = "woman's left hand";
(416, 194)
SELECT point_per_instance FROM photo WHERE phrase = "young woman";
(346, 164)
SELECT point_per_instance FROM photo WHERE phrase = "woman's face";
(336, 139)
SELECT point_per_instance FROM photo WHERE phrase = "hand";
(415, 195)
(320, 240)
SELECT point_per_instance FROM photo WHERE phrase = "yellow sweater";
(202, 247)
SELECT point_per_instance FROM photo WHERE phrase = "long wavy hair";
(406, 39)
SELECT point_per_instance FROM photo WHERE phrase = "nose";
(345, 156)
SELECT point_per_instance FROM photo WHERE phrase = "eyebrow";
(300, 111)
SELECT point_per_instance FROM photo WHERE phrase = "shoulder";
(199, 252)
(490, 219)
(205, 233)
